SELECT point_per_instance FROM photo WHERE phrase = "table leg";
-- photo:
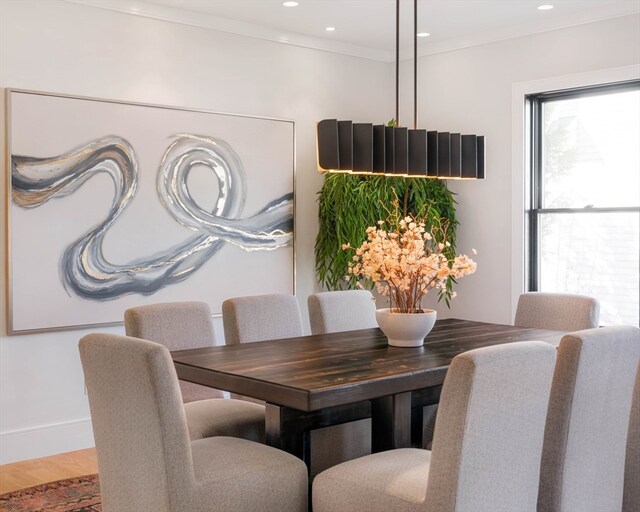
(391, 422)
(419, 399)
(280, 434)
(417, 427)
(289, 429)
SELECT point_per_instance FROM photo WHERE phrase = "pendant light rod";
(415, 64)
(397, 62)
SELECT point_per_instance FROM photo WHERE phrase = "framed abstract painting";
(113, 205)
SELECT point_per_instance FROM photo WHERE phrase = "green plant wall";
(349, 203)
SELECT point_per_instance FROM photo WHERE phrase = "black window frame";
(535, 109)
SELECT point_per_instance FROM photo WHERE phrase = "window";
(584, 212)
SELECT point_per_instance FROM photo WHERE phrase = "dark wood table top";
(310, 373)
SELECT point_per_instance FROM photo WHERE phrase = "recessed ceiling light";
(545, 7)
(330, 29)
(423, 34)
(290, 4)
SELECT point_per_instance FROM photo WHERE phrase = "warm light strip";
(393, 175)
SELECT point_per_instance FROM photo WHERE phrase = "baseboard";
(31, 443)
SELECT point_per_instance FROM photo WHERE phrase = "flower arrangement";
(405, 262)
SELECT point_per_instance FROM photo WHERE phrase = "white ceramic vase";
(406, 329)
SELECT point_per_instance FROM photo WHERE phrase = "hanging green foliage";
(349, 203)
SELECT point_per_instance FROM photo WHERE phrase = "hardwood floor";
(19, 475)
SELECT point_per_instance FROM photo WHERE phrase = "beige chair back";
(559, 311)
(489, 430)
(139, 425)
(338, 311)
(631, 499)
(177, 326)
(261, 318)
(585, 439)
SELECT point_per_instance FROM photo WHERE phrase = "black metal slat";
(327, 134)
(444, 154)
(379, 145)
(362, 147)
(345, 145)
(401, 150)
(432, 154)
(418, 152)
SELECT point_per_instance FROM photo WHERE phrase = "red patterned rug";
(80, 494)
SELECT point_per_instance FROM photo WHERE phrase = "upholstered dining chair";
(486, 448)
(185, 325)
(631, 498)
(177, 326)
(268, 317)
(261, 318)
(345, 310)
(583, 459)
(145, 458)
(560, 311)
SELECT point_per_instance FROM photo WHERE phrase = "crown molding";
(429, 47)
(533, 27)
(194, 19)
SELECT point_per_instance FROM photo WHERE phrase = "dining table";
(315, 381)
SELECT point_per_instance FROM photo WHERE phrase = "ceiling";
(367, 27)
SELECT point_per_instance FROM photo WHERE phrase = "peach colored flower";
(404, 261)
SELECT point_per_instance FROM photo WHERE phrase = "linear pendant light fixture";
(364, 148)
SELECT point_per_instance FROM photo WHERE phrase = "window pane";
(594, 254)
(591, 151)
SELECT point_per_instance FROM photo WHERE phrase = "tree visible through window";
(584, 215)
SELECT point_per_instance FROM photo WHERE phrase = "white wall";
(470, 91)
(74, 49)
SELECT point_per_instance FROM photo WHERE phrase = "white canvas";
(251, 259)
